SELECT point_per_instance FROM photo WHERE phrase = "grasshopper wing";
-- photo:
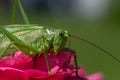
(16, 37)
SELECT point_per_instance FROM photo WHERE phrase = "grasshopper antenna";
(81, 39)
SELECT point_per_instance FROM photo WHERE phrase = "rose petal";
(63, 59)
(20, 67)
(19, 61)
(73, 76)
(81, 73)
(96, 76)
(7, 73)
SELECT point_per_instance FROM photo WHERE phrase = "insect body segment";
(31, 39)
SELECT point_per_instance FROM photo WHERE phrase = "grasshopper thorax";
(59, 41)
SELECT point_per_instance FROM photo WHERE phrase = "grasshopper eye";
(61, 33)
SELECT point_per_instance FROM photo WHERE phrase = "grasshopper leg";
(3, 52)
(47, 62)
(25, 49)
(76, 66)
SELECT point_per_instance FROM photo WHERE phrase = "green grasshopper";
(34, 40)
(31, 40)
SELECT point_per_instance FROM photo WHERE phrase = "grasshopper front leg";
(47, 62)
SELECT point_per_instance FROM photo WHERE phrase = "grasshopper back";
(41, 38)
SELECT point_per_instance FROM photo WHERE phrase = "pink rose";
(23, 67)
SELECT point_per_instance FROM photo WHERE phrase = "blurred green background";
(97, 21)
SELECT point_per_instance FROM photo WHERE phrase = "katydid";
(34, 39)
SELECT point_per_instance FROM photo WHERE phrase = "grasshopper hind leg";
(75, 63)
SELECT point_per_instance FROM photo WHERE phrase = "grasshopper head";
(60, 40)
